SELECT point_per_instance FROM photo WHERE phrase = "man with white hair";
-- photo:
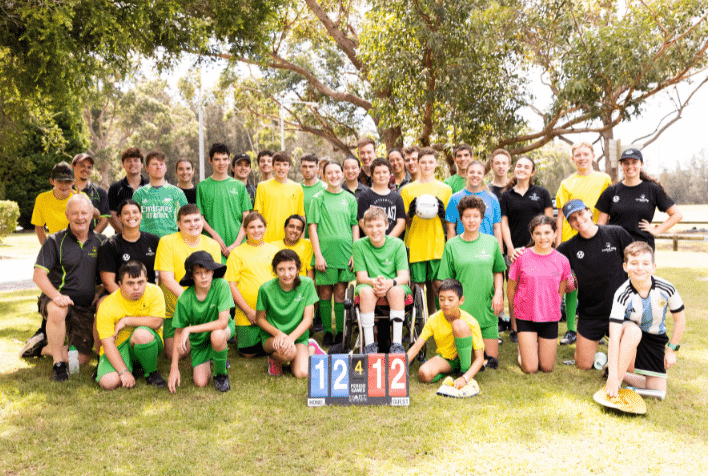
(65, 272)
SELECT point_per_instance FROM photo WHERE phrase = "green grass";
(519, 424)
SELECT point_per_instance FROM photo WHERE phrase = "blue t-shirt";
(492, 214)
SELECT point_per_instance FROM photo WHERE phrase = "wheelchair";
(353, 335)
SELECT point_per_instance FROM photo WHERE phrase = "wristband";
(673, 347)
(394, 284)
(465, 377)
(121, 374)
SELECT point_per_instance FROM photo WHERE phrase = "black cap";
(81, 157)
(632, 154)
(239, 157)
(63, 172)
(205, 260)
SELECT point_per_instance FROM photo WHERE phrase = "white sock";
(397, 319)
(367, 323)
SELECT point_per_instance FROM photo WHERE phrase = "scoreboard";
(370, 379)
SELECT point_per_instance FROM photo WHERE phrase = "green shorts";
(168, 332)
(201, 349)
(454, 363)
(126, 352)
(248, 336)
(425, 271)
(333, 276)
(490, 332)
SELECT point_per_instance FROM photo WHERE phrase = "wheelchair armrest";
(348, 304)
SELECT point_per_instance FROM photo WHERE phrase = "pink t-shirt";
(538, 279)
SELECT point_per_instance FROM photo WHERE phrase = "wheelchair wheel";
(350, 321)
(420, 316)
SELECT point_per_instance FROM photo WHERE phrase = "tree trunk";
(607, 136)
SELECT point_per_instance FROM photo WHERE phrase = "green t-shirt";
(190, 311)
(385, 261)
(456, 183)
(160, 206)
(335, 215)
(284, 310)
(222, 203)
(310, 191)
(473, 263)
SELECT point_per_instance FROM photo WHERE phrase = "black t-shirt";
(597, 263)
(121, 190)
(627, 206)
(520, 210)
(497, 191)
(191, 194)
(392, 204)
(99, 199)
(117, 250)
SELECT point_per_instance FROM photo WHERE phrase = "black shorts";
(256, 349)
(545, 330)
(593, 329)
(79, 324)
(650, 355)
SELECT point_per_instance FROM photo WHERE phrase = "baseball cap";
(632, 154)
(239, 157)
(205, 260)
(81, 157)
(62, 172)
(573, 206)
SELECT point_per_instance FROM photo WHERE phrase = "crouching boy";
(638, 340)
(129, 324)
(458, 338)
(202, 322)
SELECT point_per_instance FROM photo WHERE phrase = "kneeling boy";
(457, 336)
(129, 324)
(637, 325)
(203, 322)
(381, 268)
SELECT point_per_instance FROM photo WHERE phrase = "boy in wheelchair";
(382, 277)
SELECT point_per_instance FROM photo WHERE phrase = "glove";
(411, 208)
(441, 209)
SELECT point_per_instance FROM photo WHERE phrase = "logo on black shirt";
(642, 198)
(580, 254)
(126, 257)
(609, 248)
(534, 197)
(616, 198)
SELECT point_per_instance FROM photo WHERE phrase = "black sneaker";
(317, 324)
(221, 382)
(372, 348)
(513, 337)
(492, 363)
(60, 372)
(501, 341)
(327, 339)
(34, 345)
(396, 349)
(568, 338)
(137, 370)
(156, 380)
(339, 338)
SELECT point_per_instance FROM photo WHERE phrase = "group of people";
(192, 269)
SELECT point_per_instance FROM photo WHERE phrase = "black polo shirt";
(521, 209)
(116, 251)
(597, 263)
(121, 190)
(360, 189)
(71, 266)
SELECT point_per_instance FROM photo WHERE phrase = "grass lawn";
(519, 424)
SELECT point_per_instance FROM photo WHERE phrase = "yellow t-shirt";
(441, 330)
(249, 266)
(276, 202)
(50, 211)
(115, 307)
(587, 188)
(171, 254)
(425, 238)
(303, 248)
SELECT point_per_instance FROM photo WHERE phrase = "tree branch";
(345, 44)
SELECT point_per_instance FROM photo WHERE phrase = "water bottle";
(73, 360)
(600, 360)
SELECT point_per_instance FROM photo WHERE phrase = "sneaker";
(137, 370)
(492, 363)
(372, 348)
(60, 372)
(513, 337)
(339, 338)
(318, 350)
(500, 341)
(317, 324)
(327, 340)
(501, 326)
(275, 368)
(221, 383)
(568, 338)
(156, 380)
(602, 342)
(34, 345)
(396, 349)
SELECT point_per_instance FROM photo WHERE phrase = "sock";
(220, 361)
(326, 315)
(571, 304)
(464, 351)
(438, 377)
(367, 323)
(397, 319)
(339, 316)
(146, 354)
